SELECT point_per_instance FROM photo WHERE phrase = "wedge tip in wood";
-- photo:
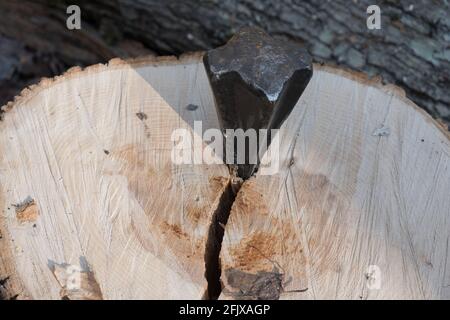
(256, 81)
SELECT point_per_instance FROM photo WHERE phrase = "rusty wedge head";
(256, 81)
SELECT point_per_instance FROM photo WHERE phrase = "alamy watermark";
(73, 274)
(233, 146)
(373, 21)
(373, 277)
(73, 22)
(374, 18)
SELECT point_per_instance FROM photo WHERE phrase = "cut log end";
(93, 207)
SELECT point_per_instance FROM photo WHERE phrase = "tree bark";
(411, 50)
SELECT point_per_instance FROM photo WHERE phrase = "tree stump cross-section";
(359, 207)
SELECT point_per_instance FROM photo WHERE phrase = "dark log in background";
(412, 49)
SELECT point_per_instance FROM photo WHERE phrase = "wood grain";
(362, 186)
(102, 179)
(350, 202)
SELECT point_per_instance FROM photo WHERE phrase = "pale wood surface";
(95, 187)
(103, 182)
(364, 180)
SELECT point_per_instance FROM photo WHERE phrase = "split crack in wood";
(213, 270)
(256, 81)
